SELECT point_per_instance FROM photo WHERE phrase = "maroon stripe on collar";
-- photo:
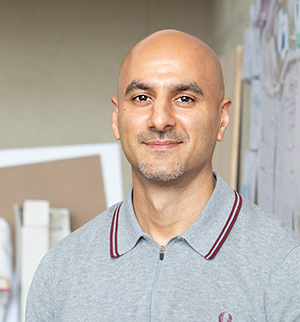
(114, 233)
(227, 228)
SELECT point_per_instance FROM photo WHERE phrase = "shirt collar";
(125, 229)
(206, 235)
(208, 232)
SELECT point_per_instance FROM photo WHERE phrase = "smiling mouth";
(162, 145)
(167, 140)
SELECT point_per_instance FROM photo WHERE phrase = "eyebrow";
(189, 86)
(134, 85)
(180, 87)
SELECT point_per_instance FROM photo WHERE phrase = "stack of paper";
(59, 224)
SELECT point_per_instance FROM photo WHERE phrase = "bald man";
(183, 246)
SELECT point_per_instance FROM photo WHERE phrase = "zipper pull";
(162, 253)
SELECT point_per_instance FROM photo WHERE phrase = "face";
(168, 115)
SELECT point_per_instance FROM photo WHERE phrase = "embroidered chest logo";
(225, 317)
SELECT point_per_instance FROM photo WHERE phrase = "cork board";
(72, 183)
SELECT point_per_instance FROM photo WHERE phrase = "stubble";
(161, 169)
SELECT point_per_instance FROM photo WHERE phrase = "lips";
(162, 138)
(162, 145)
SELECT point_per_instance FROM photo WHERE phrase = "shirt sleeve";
(40, 300)
(282, 298)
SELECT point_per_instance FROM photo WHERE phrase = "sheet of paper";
(296, 12)
(265, 192)
(264, 13)
(267, 155)
(255, 115)
(296, 154)
(282, 33)
(254, 12)
(59, 225)
(269, 69)
(251, 66)
(285, 198)
(250, 175)
(110, 159)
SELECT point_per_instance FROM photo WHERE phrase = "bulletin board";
(273, 72)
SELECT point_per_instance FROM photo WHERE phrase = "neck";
(166, 209)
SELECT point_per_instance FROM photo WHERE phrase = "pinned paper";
(255, 115)
(297, 22)
(282, 33)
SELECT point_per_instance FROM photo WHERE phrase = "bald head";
(175, 45)
(170, 110)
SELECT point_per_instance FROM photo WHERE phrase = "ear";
(115, 123)
(224, 118)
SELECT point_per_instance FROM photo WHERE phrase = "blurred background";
(59, 63)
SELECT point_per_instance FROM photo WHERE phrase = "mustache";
(154, 135)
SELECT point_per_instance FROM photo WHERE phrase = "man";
(183, 246)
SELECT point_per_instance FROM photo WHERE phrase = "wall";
(230, 18)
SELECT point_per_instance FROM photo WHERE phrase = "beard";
(161, 173)
(161, 169)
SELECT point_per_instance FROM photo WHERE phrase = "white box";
(36, 213)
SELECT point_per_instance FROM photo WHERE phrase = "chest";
(140, 286)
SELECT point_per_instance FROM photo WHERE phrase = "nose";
(162, 116)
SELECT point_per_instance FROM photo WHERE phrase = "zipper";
(162, 253)
(155, 284)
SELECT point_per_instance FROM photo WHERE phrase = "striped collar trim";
(125, 231)
(227, 227)
(114, 233)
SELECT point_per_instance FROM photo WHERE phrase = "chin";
(162, 174)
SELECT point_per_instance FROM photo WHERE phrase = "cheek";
(130, 124)
(202, 130)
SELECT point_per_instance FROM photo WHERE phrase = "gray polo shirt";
(234, 263)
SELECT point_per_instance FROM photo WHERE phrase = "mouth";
(162, 145)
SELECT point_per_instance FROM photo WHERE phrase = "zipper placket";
(154, 290)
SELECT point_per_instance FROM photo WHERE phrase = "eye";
(142, 98)
(184, 99)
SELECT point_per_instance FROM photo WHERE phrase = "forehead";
(165, 67)
(172, 57)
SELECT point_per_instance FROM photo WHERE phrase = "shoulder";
(267, 226)
(84, 241)
(266, 235)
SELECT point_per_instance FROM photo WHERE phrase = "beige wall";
(59, 60)
(230, 18)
